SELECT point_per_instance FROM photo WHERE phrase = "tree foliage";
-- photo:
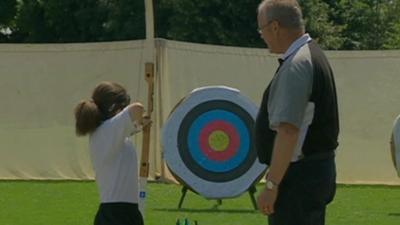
(336, 24)
(343, 24)
(8, 10)
(319, 18)
(210, 21)
(78, 20)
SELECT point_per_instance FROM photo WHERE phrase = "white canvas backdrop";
(40, 85)
(368, 94)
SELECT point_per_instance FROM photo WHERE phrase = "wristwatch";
(270, 185)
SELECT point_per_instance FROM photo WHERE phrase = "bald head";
(286, 12)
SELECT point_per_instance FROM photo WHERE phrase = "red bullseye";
(220, 154)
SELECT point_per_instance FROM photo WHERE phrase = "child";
(109, 119)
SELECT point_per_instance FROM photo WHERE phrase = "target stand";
(252, 190)
(208, 147)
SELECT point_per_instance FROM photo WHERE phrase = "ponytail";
(87, 118)
(107, 99)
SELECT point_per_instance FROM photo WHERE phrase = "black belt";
(317, 156)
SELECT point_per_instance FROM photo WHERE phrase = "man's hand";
(266, 201)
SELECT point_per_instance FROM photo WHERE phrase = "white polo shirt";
(114, 159)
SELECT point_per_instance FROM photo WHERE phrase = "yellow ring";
(218, 141)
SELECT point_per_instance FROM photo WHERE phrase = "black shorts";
(118, 214)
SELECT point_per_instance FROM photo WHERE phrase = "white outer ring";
(396, 140)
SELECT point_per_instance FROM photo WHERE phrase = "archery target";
(208, 145)
(395, 145)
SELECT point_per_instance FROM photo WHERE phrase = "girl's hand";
(146, 121)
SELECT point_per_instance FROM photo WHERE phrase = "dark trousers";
(305, 191)
(118, 214)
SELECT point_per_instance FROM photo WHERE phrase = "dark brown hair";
(107, 99)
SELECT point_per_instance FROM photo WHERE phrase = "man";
(297, 126)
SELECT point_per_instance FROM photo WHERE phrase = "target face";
(208, 142)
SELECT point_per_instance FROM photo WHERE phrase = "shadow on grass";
(394, 214)
(212, 210)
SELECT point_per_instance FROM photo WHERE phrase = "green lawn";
(75, 203)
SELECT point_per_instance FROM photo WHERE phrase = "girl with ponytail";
(109, 119)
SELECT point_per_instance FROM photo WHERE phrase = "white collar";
(298, 43)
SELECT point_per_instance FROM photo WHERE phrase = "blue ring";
(203, 160)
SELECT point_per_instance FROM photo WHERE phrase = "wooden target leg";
(184, 191)
(252, 191)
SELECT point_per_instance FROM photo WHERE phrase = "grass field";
(75, 203)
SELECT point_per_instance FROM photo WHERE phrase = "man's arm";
(285, 143)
